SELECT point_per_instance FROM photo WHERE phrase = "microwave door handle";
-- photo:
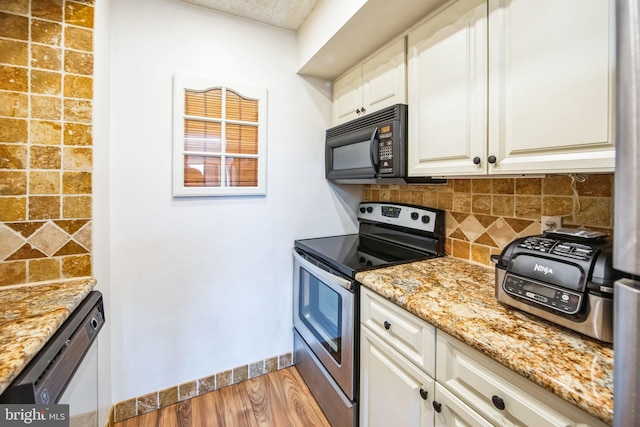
(375, 151)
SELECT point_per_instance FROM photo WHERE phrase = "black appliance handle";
(375, 150)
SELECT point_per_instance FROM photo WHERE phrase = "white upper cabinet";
(376, 83)
(447, 89)
(551, 85)
(535, 96)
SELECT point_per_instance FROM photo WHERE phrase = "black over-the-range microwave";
(371, 149)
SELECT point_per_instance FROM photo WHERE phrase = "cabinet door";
(455, 413)
(447, 91)
(347, 96)
(384, 78)
(390, 387)
(551, 87)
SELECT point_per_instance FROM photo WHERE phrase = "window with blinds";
(219, 138)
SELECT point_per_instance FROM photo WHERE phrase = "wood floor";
(279, 399)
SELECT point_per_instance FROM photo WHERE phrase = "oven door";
(324, 310)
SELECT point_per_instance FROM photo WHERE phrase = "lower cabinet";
(399, 387)
(393, 391)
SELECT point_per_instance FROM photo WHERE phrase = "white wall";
(202, 285)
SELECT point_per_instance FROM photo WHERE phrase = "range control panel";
(416, 217)
(555, 298)
(385, 149)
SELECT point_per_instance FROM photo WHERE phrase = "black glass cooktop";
(352, 253)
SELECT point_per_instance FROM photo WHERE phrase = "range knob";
(369, 209)
(426, 219)
(414, 215)
(362, 210)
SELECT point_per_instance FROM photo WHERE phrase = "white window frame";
(190, 82)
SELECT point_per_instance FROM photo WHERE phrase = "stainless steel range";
(326, 295)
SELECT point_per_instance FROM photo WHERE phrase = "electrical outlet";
(549, 222)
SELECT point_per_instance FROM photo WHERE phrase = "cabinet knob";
(362, 110)
(386, 325)
(498, 402)
(476, 160)
(437, 406)
(492, 159)
(357, 111)
(424, 394)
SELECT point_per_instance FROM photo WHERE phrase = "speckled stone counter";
(458, 298)
(30, 315)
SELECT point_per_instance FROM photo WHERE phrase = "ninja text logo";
(543, 269)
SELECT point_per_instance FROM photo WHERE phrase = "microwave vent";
(372, 119)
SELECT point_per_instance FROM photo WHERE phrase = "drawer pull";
(424, 394)
(498, 402)
(387, 325)
(437, 406)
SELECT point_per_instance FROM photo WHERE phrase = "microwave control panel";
(385, 149)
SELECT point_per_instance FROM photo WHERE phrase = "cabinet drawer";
(409, 335)
(454, 412)
(487, 386)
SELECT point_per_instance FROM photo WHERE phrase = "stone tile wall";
(46, 93)
(484, 215)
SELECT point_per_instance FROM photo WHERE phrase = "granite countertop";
(29, 315)
(458, 298)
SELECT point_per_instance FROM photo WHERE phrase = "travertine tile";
(78, 86)
(126, 409)
(445, 201)
(556, 205)
(76, 158)
(26, 229)
(503, 186)
(76, 207)
(13, 273)
(46, 57)
(44, 182)
(78, 38)
(461, 185)
(471, 228)
(44, 269)
(45, 132)
(461, 249)
(15, 6)
(10, 241)
(206, 384)
(14, 26)
(596, 211)
(14, 52)
(14, 78)
(501, 232)
(147, 403)
(13, 183)
(528, 206)
(78, 134)
(26, 252)
(168, 397)
(481, 186)
(78, 62)
(49, 238)
(47, 9)
(481, 204)
(72, 226)
(13, 156)
(256, 369)
(13, 104)
(531, 186)
(76, 266)
(557, 185)
(44, 207)
(462, 202)
(486, 240)
(76, 182)
(596, 186)
(46, 82)
(503, 205)
(45, 157)
(271, 365)
(78, 110)
(285, 360)
(79, 14)
(480, 254)
(240, 373)
(46, 32)
(224, 379)
(71, 248)
(187, 390)
(13, 209)
(13, 130)
(46, 107)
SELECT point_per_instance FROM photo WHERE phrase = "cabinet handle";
(492, 159)
(386, 325)
(424, 394)
(476, 160)
(437, 406)
(498, 402)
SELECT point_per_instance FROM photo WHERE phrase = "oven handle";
(322, 272)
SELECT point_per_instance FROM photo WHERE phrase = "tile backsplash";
(484, 214)
(46, 155)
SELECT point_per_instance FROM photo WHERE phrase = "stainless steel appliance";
(370, 149)
(626, 250)
(564, 276)
(325, 318)
(46, 379)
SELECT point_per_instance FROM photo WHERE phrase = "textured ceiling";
(289, 14)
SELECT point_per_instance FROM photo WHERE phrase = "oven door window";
(320, 310)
